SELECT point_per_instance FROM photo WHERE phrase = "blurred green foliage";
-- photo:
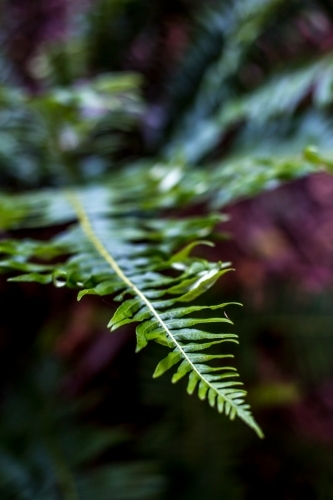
(163, 108)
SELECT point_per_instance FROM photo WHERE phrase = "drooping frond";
(135, 260)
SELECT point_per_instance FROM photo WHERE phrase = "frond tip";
(169, 328)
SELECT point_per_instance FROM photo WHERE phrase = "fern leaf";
(162, 326)
(279, 96)
(234, 26)
(126, 256)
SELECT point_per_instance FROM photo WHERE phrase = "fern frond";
(278, 97)
(248, 176)
(119, 246)
(128, 256)
(174, 184)
(235, 26)
(282, 93)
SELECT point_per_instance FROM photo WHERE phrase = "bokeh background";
(198, 83)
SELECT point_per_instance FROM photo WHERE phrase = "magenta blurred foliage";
(312, 416)
(284, 234)
(92, 349)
